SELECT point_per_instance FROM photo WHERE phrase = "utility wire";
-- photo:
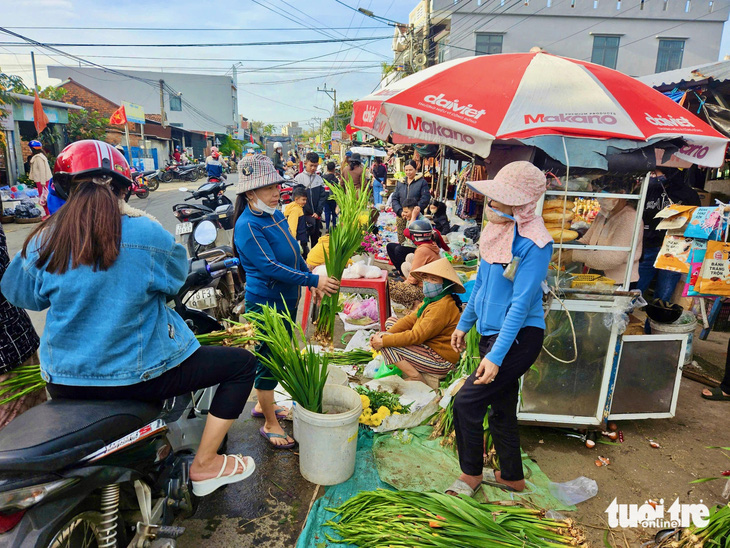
(171, 29)
(213, 45)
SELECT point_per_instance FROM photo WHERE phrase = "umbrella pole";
(565, 203)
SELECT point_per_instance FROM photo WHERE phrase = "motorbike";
(138, 188)
(285, 190)
(106, 473)
(207, 231)
(149, 178)
(189, 172)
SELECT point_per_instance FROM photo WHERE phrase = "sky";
(274, 95)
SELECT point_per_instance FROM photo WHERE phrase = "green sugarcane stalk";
(25, 379)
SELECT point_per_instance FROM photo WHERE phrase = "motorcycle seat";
(59, 433)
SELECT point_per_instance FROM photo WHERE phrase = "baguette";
(558, 216)
(567, 235)
(558, 204)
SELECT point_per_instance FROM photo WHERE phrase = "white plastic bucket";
(335, 375)
(678, 327)
(328, 441)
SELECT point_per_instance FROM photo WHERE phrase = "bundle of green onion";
(716, 533)
(345, 239)
(350, 357)
(239, 334)
(24, 380)
(302, 373)
(407, 518)
(443, 423)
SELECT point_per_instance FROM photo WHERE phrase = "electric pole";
(427, 35)
(334, 98)
(35, 76)
(162, 103)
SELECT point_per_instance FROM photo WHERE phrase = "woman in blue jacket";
(506, 308)
(104, 271)
(275, 270)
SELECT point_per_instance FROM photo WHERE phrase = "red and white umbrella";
(470, 102)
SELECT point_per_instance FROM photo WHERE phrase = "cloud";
(53, 4)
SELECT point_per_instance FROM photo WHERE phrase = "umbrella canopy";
(470, 102)
(369, 151)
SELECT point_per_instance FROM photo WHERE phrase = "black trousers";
(397, 254)
(314, 228)
(472, 401)
(233, 369)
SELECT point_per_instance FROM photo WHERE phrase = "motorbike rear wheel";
(153, 184)
(166, 177)
(143, 193)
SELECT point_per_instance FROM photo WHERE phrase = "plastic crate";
(585, 280)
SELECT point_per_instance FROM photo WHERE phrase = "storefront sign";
(135, 113)
(336, 135)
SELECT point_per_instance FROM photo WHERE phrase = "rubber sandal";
(460, 487)
(269, 435)
(491, 480)
(206, 487)
(717, 395)
(281, 414)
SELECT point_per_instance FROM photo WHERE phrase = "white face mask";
(607, 205)
(260, 205)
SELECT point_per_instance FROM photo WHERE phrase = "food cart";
(565, 114)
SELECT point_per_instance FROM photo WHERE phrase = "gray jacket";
(418, 190)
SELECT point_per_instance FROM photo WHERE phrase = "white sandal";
(206, 487)
(460, 487)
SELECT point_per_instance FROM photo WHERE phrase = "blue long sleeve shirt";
(270, 256)
(500, 306)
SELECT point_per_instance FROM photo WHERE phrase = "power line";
(212, 45)
(171, 29)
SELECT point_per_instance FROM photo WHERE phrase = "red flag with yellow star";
(119, 118)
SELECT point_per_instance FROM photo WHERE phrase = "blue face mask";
(497, 216)
(431, 290)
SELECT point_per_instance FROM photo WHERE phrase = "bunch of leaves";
(408, 518)
(229, 145)
(86, 124)
(345, 240)
(380, 399)
(302, 374)
(24, 380)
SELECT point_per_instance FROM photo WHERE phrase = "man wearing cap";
(275, 271)
(313, 183)
(506, 309)
(40, 173)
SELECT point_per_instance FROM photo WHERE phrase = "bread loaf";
(558, 204)
(558, 216)
(567, 235)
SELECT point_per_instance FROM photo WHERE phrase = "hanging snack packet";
(674, 253)
(696, 257)
(714, 277)
(705, 223)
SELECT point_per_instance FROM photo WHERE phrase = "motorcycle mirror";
(205, 233)
(183, 189)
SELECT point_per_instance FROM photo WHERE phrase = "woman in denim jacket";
(275, 271)
(104, 271)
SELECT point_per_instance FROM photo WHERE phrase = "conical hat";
(443, 269)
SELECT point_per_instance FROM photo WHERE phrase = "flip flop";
(206, 487)
(269, 435)
(490, 479)
(281, 414)
(717, 395)
(460, 487)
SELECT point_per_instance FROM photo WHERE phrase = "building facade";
(636, 37)
(193, 102)
(292, 129)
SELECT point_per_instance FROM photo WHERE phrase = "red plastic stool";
(379, 285)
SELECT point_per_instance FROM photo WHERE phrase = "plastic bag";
(27, 210)
(714, 276)
(387, 370)
(359, 341)
(574, 491)
(372, 367)
(674, 254)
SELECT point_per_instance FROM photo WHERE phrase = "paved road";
(269, 508)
